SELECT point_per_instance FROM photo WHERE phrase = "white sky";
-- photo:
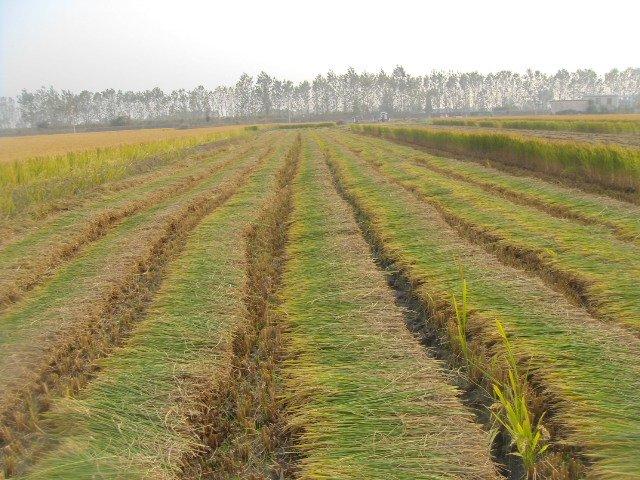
(139, 44)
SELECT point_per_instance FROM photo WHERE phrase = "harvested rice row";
(610, 169)
(68, 361)
(29, 325)
(16, 232)
(621, 217)
(26, 273)
(586, 374)
(587, 263)
(133, 420)
(243, 419)
(369, 402)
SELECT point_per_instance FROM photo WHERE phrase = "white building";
(559, 106)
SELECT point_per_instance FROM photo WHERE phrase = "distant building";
(588, 103)
(559, 106)
(603, 103)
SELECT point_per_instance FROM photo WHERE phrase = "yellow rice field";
(23, 147)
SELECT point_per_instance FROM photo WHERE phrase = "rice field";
(607, 168)
(570, 123)
(322, 302)
(25, 147)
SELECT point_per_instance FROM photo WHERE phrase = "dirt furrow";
(242, 423)
(71, 361)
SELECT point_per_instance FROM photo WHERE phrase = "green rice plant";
(607, 166)
(461, 309)
(513, 412)
(527, 436)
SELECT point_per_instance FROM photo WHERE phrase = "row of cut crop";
(243, 419)
(23, 274)
(621, 217)
(133, 420)
(370, 404)
(588, 263)
(89, 329)
(583, 373)
(613, 168)
(21, 232)
(36, 182)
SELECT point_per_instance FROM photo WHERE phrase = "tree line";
(331, 95)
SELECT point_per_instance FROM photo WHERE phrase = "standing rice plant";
(572, 124)
(511, 410)
(462, 320)
(528, 436)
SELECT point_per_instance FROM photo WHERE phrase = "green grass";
(573, 125)
(370, 402)
(132, 420)
(590, 368)
(560, 250)
(607, 166)
(36, 182)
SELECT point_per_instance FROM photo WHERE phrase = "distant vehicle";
(384, 117)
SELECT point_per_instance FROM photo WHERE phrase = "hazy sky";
(139, 44)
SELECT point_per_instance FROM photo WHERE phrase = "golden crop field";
(29, 146)
(35, 183)
(318, 301)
